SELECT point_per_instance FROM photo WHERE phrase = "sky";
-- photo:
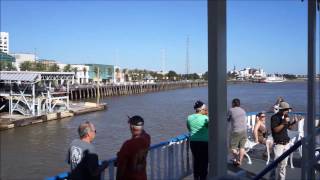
(262, 34)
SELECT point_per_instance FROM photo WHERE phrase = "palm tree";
(75, 70)
(84, 69)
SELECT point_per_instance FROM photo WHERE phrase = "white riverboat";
(273, 79)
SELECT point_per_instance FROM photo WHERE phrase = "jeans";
(279, 149)
(199, 151)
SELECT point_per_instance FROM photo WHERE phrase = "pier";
(92, 91)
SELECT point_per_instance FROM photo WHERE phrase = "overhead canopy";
(33, 77)
(30, 77)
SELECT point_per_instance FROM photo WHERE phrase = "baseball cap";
(136, 120)
(198, 105)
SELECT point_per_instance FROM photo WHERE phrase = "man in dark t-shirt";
(132, 157)
(82, 156)
(280, 123)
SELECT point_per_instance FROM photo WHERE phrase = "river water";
(38, 151)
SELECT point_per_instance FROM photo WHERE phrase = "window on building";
(5, 43)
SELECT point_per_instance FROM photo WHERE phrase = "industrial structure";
(33, 94)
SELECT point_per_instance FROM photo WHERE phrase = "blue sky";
(266, 34)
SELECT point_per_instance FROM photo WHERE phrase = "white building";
(81, 72)
(22, 57)
(118, 75)
(4, 42)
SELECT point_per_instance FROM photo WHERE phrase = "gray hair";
(84, 129)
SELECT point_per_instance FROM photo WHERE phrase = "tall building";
(4, 42)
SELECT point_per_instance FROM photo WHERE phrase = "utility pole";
(163, 60)
(187, 58)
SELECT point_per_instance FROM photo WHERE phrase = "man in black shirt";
(82, 156)
(280, 123)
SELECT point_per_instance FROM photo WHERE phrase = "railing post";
(182, 170)
(170, 161)
(188, 156)
(152, 163)
(176, 161)
(165, 163)
(159, 163)
(111, 170)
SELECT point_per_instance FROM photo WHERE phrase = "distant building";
(47, 62)
(6, 57)
(106, 72)
(119, 75)
(81, 73)
(6, 62)
(4, 42)
(23, 57)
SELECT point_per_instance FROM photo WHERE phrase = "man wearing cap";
(280, 123)
(82, 156)
(197, 125)
(131, 159)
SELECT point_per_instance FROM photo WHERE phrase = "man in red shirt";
(132, 157)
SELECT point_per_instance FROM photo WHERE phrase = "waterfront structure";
(248, 73)
(29, 97)
(119, 75)
(81, 74)
(106, 73)
(4, 42)
(23, 57)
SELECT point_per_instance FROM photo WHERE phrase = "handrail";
(283, 156)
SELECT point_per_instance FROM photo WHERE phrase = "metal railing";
(275, 163)
(167, 160)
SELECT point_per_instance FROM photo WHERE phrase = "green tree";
(26, 66)
(205, 76)
(40, 66)
(54, 68)
(67, 68)
(172, 75)
(75, 70)
(7, 66)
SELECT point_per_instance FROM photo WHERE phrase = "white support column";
(33, 106)
(39, 107)
(308, 149)
(10, 103)
(68, 94)
(217, 57)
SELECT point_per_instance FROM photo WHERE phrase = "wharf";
(78, 92)
(17, 120)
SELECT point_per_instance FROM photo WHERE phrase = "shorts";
(238, 140)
